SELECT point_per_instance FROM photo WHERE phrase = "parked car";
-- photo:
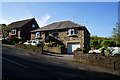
(94, 51)
(32, 42)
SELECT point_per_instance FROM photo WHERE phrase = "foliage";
(20, 42)
(8, 42)
(5, 30)
(112, 43)
(96, 41)
(80, 49)
(105, 43)
(102, 51)
(47, 44)
(58, 45)
(116, 33)
(109, 51)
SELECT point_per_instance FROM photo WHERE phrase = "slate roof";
(21, 23)
(59, 25)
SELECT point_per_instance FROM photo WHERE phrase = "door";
(71, 47)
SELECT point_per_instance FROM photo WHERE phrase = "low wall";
(54, 49)
(111, 62)
(30, 48)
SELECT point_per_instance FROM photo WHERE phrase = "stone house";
(23, 28)
(71, 34)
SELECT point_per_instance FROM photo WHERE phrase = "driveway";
(60, 56)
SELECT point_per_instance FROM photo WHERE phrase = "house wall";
(82, 38)
(86, 40)
(25, 30)
(62, 36)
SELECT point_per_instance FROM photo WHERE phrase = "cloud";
(43, 20)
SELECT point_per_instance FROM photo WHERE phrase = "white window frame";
(70, 31)
(14, 31)
(38, 35)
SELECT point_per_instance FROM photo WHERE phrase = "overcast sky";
(98, 17)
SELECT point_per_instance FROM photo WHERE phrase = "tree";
(105, 43)
(5, 30)
(116, 33)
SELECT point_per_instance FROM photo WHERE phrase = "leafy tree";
(5, 30)
(116, 33)
(105, 43)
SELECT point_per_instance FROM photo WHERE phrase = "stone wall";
(63, 36)
(30, 48)
(111, 62)
(57, 50)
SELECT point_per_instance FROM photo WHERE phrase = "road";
(16, 65)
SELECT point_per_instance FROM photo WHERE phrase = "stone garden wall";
(111, 62)
(58, 50)
(30, 48)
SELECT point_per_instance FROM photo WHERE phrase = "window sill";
(72, 35)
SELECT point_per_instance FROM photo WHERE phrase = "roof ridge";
(23, 20)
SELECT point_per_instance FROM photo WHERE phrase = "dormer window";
(72, 32)
(38, 35)
(14, 31)
(33, 25)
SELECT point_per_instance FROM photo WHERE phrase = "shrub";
(7, 42)
(112, 43)
(20, 42)
(109, 51)
(102, 51)
(48, 44)
(105, 43)
(80, 49)
(53, 44)
(58, 45)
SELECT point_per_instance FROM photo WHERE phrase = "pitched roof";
(18, 24)
(59, 25)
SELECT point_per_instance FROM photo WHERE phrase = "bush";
(20, 42)
(80, 49)
(8, 42)
(105, 43)
(102, 51)
(58, 45)
(48, 44)
(109, 51)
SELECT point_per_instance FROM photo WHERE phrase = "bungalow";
(71, 34)
(23, 28)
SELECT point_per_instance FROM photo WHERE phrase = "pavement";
(23, 64)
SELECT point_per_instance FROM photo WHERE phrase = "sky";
(98, 17)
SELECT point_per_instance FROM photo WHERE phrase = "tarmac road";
(25, 67)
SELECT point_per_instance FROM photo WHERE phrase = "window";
(14, 31)
(38, 35)
(33, 25)
(55, 34)
(72, 32)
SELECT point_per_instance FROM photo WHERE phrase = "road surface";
(18, 65)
